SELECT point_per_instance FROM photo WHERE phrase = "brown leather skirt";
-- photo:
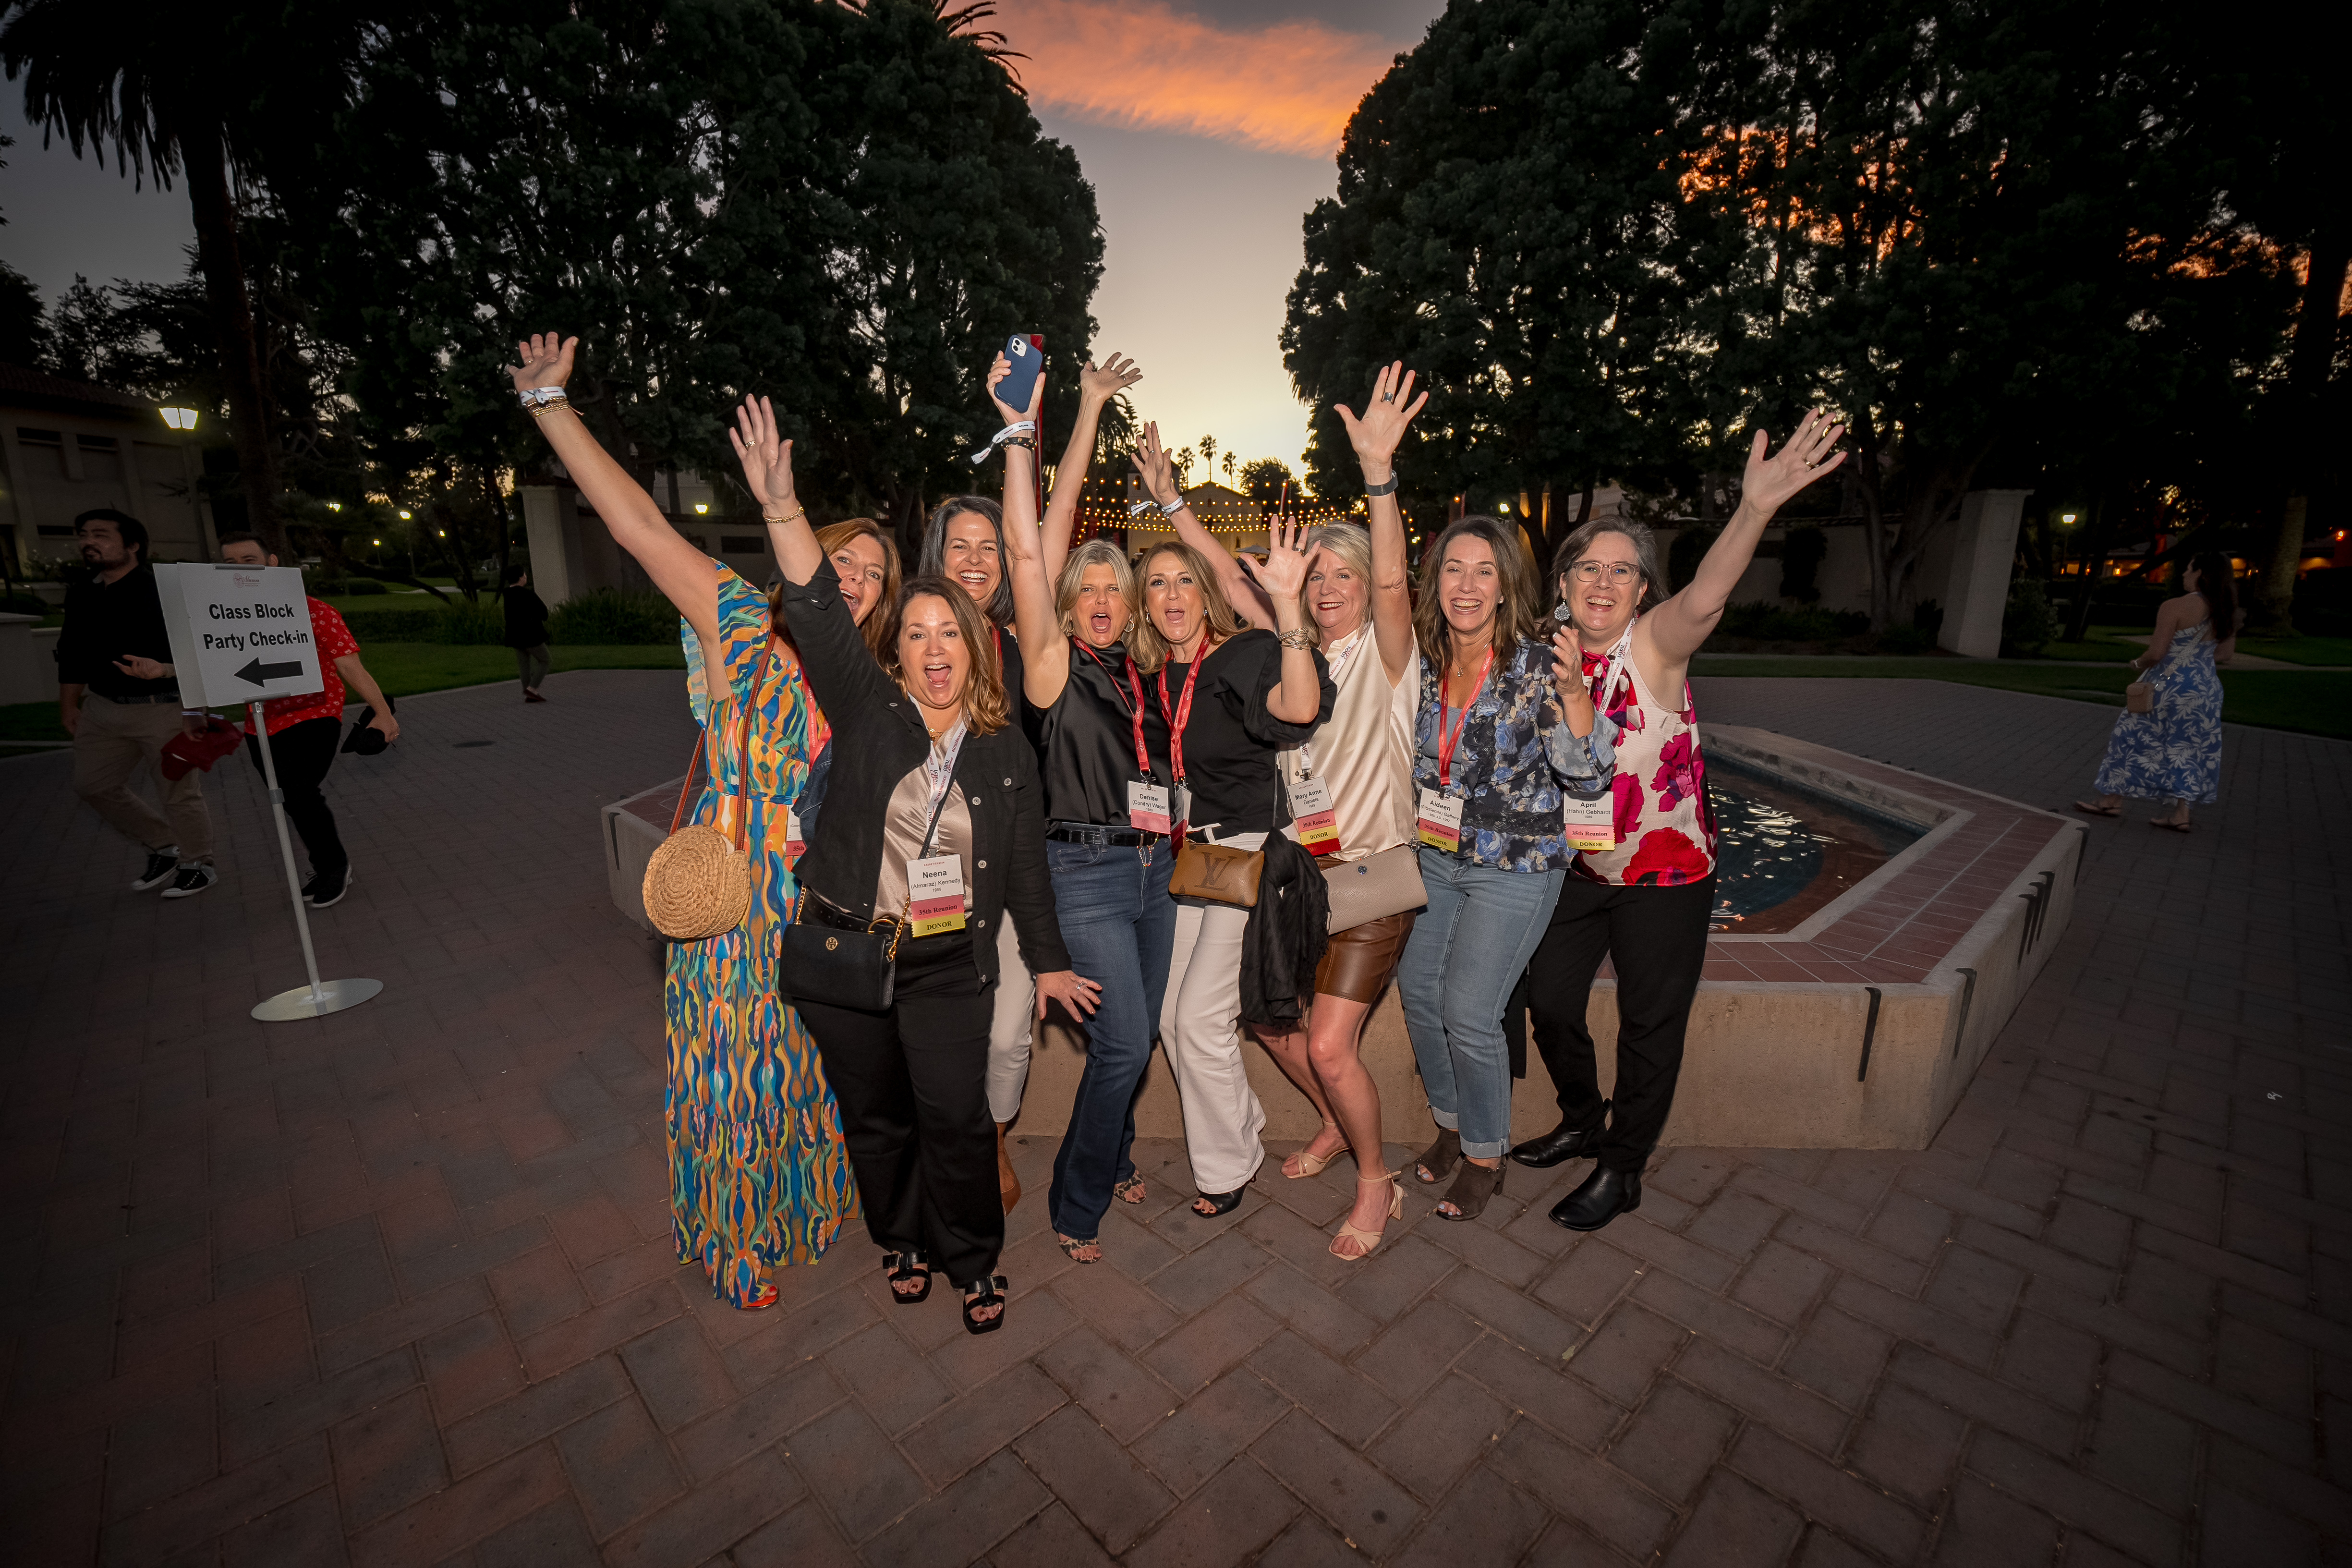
(1360, 961)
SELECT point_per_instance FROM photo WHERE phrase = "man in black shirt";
(118, 720)
(527, 631)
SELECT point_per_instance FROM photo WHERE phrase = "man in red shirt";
(304, 732)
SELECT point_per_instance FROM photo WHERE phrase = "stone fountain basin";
(1859, 1028)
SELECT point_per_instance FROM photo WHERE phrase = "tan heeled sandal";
(1369, 1240)
(1308, 1164)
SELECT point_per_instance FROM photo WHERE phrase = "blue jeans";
(1119, 925)
(1468, 951)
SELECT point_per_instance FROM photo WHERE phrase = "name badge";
(795, 845)
(935, 895)
(1311, 811)
(1147, 808)
(1591, 824)
(1439, 818)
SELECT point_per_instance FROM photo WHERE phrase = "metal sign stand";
(320, 998)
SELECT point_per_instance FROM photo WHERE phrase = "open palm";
(1375, 435)
(1284, 571)
(1809, 454)
(546, 360)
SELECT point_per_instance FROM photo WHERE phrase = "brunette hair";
(1515, 618)
(1093, 553)
(985, 709)
(932, 561)
(1147, 647)
(2218, 585)
(133, 532)
(1645, 556)
(830, 538)
(1353, 546)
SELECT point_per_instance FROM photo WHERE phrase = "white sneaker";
(193, 878)
(161, 864)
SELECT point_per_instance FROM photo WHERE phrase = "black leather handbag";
(826, 956)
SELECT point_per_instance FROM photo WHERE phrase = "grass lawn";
(2301, 650)
(2318, 703)
(404, 669)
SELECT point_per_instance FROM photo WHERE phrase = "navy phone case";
(1027, 353)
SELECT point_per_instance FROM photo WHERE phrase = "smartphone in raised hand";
(1026, 352)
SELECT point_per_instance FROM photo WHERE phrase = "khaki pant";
(109, 743)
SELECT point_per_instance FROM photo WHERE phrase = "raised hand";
(546, 361)
(1375, 435)
(1115, 375)
(998, 370)
(767, 458)
(1284, 572)
(1809, 453)
(1154, 466)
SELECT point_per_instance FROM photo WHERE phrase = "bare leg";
(1289, 1051)
(1333, 1034)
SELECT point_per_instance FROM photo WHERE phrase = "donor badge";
(1147, 808)
(1439, 819)
(1318, 823)
(935, 895)
(1592, 822)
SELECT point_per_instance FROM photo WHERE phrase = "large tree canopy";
(1618, 233)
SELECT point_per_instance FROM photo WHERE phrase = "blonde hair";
(985, 709)
(1515, 613)
(1093, 553)
(1353, 546)
(831, 538)
(1147, 647)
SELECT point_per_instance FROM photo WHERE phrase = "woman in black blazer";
(933, 794)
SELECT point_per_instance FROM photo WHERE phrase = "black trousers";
(303, 753)
(1658, 938)
(912, 1084)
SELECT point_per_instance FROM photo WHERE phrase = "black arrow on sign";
(259, 674)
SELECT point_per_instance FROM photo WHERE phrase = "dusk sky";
(1207, 128)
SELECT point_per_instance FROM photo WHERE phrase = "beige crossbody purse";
(698, 882)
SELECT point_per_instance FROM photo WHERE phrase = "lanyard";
(1183, 713)
(1446, 742)
(1616, 663)
(998, 633)
(940, 765)
(1134, 708)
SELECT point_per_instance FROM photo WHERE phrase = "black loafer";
(1562, 1142)
(1605, 1194)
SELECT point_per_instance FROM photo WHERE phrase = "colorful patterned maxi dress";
(2172, 752)
(758, 1175)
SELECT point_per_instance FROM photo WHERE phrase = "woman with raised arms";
(933, 823)
(1351, 794)
(758, 1175)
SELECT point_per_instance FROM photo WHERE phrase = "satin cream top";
(1364, 750)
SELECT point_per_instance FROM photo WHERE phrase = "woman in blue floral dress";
(2173, 752)
(760, 1176)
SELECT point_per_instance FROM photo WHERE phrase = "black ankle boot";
(1605, 1194)
(1562, 1142)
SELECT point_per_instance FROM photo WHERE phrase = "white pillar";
(1984, 548)
(554, 532)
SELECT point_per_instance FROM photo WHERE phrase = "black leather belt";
(1092, 833)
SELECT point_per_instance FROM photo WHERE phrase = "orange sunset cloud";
(1141, 65)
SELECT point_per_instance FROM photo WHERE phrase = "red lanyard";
(1183, 713)
(1447, 740)
(1134, 710)
(998, 633)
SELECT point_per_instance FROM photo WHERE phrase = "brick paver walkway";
(397, 1287)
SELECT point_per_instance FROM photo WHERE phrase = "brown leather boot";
(1007, 1183)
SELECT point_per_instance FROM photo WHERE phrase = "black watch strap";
(1388, 488)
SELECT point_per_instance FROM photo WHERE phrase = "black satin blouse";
(1088, 739)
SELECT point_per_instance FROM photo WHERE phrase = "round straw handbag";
(698, 882)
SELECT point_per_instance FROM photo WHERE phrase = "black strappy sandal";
(1219, 1203)
(904, 1266)
(984, 1293)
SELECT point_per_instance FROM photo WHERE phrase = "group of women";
(1002, 760)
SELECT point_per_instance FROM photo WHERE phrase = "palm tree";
(152, 81)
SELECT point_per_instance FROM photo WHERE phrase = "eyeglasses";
(1620, 572)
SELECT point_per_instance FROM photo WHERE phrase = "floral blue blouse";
(1516, 757)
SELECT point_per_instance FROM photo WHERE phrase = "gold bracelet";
(780, 522)
(1299, 637)
(539, 410)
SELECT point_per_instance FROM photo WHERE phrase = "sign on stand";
(241, 634)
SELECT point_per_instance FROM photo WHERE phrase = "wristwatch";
(1386, 488)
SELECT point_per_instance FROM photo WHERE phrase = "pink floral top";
(1665, 832)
